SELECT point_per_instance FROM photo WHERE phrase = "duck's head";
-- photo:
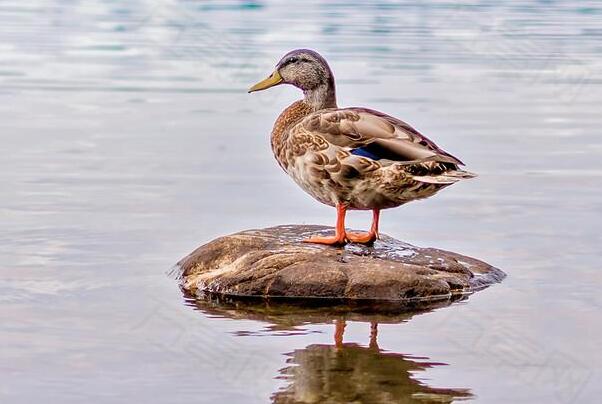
(307, 70)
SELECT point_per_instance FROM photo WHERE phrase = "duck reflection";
(351, 373)
(341, 372)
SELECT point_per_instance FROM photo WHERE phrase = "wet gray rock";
(274, 262)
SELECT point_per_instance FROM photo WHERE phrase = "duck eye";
(294, 59)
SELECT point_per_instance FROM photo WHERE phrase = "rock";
(274, 262)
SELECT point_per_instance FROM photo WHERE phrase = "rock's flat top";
(273, 262)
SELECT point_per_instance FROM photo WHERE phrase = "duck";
(351, 158)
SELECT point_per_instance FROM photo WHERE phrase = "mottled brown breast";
(287, 119)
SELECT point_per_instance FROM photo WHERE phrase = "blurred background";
(127, 139)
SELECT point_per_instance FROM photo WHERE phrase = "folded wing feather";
(376, 132)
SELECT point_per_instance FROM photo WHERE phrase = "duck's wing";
(375, 135)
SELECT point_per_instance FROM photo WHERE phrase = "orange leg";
(371, 236)
(339, 236)
(339, 331)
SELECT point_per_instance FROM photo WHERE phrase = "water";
(127, 139)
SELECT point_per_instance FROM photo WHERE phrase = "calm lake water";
(127, 139)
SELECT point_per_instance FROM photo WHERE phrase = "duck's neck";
(321, 97)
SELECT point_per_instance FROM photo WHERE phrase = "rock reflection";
(341, 372)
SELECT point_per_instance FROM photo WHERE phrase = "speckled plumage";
(314, 148)
(352, 158)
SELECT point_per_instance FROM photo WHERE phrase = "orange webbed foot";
(335, 240)
(362, 238)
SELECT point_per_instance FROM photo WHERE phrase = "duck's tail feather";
(448, 177)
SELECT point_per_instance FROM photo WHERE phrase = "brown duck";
(351, 158)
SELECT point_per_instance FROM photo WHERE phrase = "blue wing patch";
(364, 152)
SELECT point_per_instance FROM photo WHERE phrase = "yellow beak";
(271, 81)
